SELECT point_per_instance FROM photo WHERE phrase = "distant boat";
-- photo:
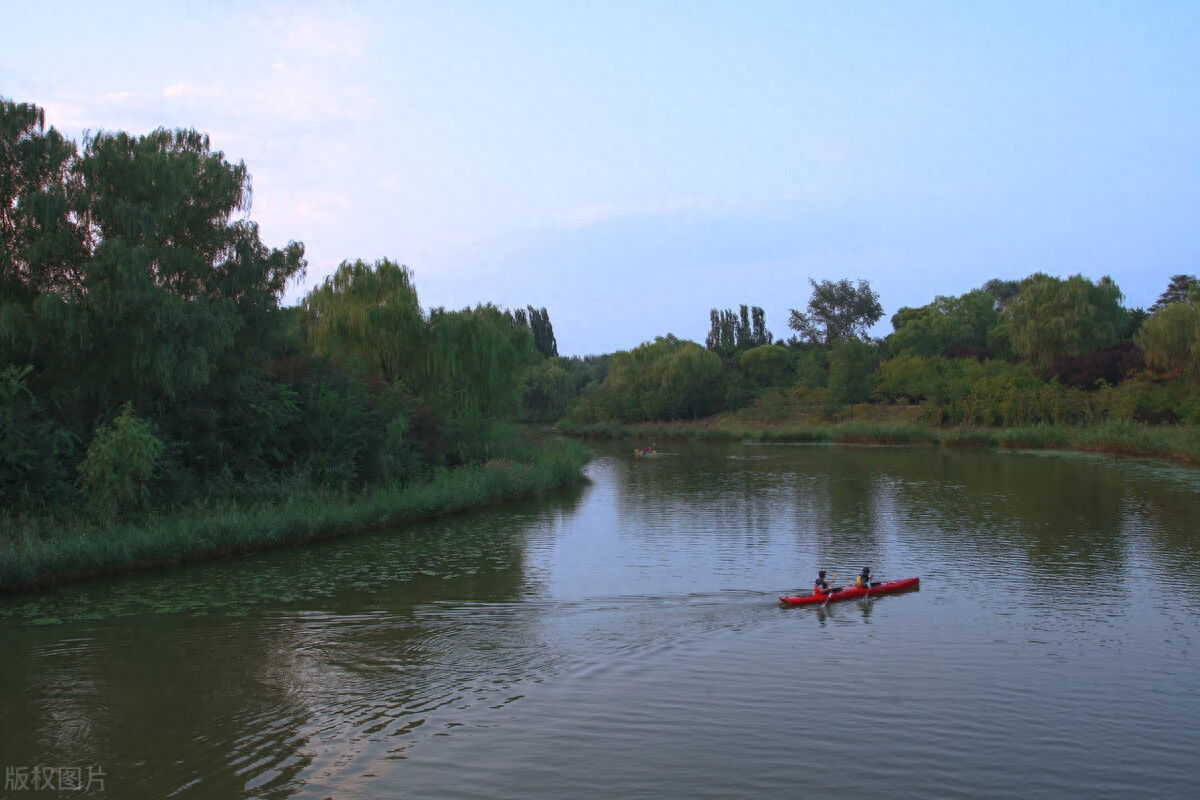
(646, 451)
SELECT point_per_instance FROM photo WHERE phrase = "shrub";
(119, 464)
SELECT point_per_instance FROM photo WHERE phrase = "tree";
(850, 365)
(837, 311)
(931, 330)
(370, 314)
(1002, 291)
(731, 333)
(665, 379)
(767, 364)
(130, 272)
(543, 332)
(1181, 289)
(474, 359)
(41, 247)
(1051, 317)
(1170, 339)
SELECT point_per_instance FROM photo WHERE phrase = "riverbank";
(1178, 442)
(33, 557)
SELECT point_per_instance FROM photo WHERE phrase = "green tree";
(369, 315)
(476, 359)
(169, 282)
(931, 330)
(731, 332)
(1170, 339)
(668, 378)
(1181, 289)
(33, 450)
(850, 364)
(837, 310)
(1052, 317)
(41, 246)
(547, 388)
(768, 364)
(543, 332)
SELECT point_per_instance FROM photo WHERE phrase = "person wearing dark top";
(820, 586)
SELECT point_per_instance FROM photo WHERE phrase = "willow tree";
(143, 274)
(1170, 340)
(460, 361)
(476, 359)
(1052, 317)
(668, 378)
(930, 330)
(370, 314)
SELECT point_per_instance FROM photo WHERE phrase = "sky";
(631, 165)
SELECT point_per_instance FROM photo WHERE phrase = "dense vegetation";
(147, 368)
(149, 376)
(1043, 350)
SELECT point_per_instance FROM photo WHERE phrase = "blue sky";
(630, 165)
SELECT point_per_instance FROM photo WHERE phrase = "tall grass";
(1181, 442)
(31, 557)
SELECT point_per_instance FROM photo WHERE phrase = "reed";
(882, 433)
(1180, 442)
(969, 437)
(34, 555)
(1036, 437)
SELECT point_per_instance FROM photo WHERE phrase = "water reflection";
(526, 650)
(291, 668)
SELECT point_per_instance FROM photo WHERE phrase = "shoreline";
(1179, 443)
(32, 560)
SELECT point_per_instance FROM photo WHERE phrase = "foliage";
(1170, 339)
(40, 243)
(543, 332)
(128, 275)
(1051, 317)
(475, 357)
(33, 450)
(546, 389)
(1089, 371)
(767, 364)
(731, 333)
(368, 315)
(119, 464)
(1181, 289)
(837, 310)
(911, 379)
(850, 365)
(961, 322)
(665, 379)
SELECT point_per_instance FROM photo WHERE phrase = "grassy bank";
(33, 557)
(1179, 442)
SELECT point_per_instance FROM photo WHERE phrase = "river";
(626, 640)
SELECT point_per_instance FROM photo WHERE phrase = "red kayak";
(851, 592)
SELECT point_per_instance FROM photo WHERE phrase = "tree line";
(1043, 349)
(146, 361)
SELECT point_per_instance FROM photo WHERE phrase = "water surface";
(626, 640)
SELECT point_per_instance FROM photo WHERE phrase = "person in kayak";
(863, 581)
(821, 586)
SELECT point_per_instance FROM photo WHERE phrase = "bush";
(119, 464)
